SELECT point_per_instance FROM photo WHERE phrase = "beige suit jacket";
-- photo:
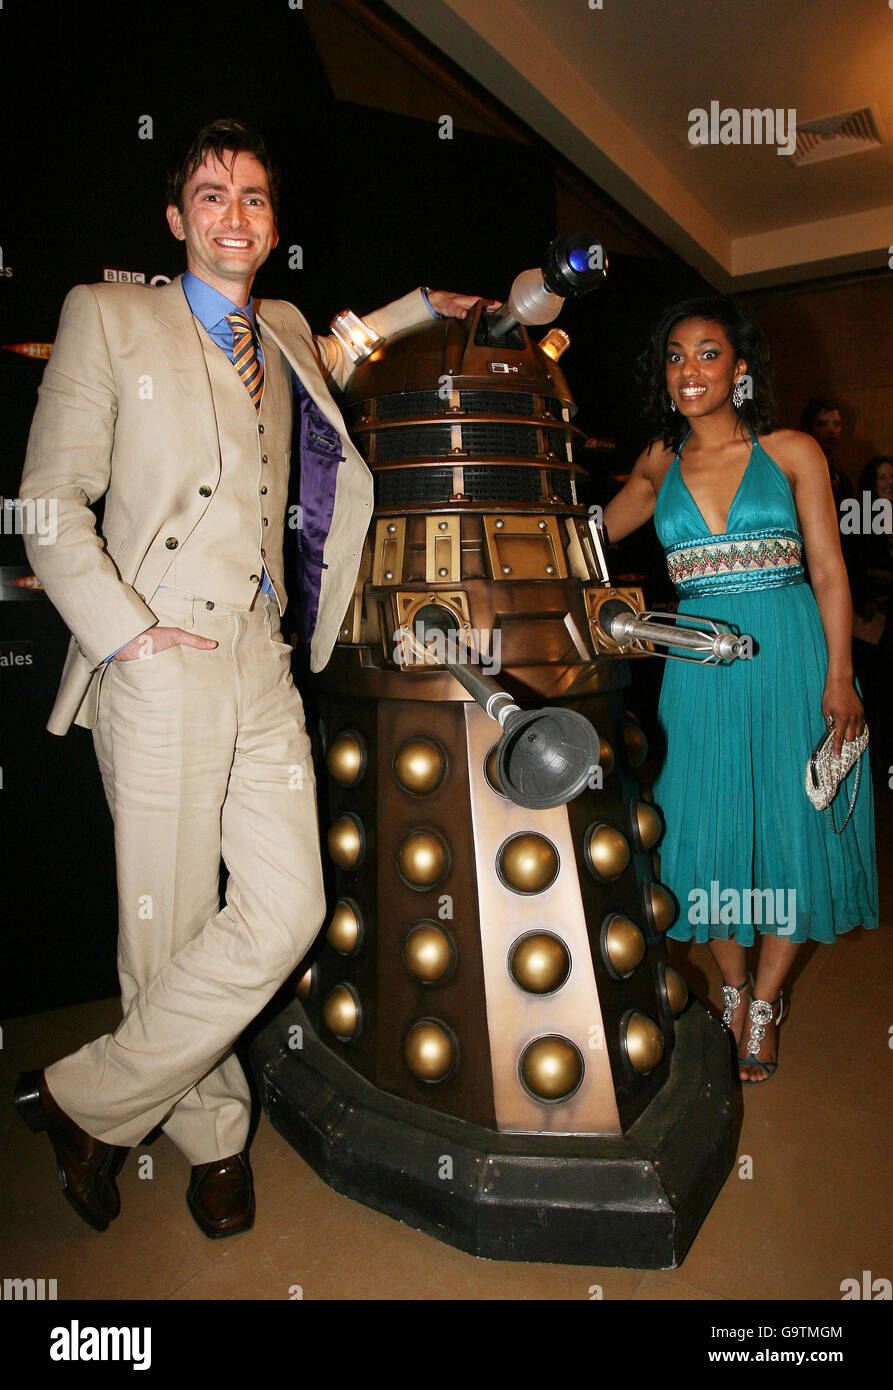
(89, 439)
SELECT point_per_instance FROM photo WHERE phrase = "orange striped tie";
(245, 358)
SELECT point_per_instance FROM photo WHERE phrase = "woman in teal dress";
(741, 510)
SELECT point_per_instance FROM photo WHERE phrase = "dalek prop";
(487, 1041)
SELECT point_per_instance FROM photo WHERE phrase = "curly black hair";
(758, 411)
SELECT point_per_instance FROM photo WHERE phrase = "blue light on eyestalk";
(579, 259)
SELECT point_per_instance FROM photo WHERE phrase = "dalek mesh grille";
(483, 440)
(403, 486)
(421, 442)
(502, 484)
(409, 404)
(561, 486)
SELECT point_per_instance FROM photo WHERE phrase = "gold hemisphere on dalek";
(429, 952)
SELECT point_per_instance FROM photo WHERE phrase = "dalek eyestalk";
(574, 265)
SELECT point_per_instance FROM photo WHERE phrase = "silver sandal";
(760, 1013)
(731, 998)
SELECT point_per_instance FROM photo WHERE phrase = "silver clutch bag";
(824, 772)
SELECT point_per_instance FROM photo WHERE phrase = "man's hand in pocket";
(158, 639)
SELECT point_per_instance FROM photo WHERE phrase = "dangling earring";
(738, 396)
(672, 405)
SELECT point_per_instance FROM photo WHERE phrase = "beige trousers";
(203, 755)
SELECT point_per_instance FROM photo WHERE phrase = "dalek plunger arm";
(546, 756)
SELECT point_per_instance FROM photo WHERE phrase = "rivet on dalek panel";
(492, 979)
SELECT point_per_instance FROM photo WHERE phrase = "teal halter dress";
(739, 736)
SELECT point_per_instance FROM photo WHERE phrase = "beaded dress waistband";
(737, 563)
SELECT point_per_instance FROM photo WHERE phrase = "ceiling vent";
(831, 137)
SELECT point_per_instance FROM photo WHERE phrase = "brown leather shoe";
(86, 1167)
(221, 1196)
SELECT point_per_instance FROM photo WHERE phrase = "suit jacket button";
(260, 429)
(172, 542)
(204, 492)
(264, 490)
(264, 459)
(255, 578)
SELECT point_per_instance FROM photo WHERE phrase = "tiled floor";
(816, 1210)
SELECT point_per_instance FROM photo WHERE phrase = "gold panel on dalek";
(486, 1041)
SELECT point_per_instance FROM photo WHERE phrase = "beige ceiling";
(612, 88)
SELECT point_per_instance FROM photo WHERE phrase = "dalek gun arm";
(703, 639)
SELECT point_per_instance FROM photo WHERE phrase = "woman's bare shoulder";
(796, 453)
(653, 463)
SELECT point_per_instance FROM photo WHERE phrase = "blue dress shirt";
(211, 307)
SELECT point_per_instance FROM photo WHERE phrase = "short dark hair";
(814, 408)
(742, 331)
(216, 138)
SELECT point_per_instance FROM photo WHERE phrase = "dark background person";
(823, 419)
(869, 555)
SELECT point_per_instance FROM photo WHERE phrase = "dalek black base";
(630, 1201)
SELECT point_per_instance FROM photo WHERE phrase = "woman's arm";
(807, 470)
(634, 503)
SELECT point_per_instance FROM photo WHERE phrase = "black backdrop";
(377, 203)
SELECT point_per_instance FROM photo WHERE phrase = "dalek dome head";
(450, 393)
(447, 358)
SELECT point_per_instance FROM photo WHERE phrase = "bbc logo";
(129, 277)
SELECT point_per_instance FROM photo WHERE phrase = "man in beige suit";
(176, 404)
